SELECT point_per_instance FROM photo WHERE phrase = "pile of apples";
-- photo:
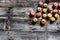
(46, 12)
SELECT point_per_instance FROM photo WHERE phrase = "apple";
(52, 19)
(55, 11)
(35, 20)
(44, 10)
(39, 9)
(40, 3)
(49, 15)
(49, 9)
(38, 14)
(55, 4)
(44, 16)
(45, 5)
(32, 13)
(56, 16)
(59, 5)
(58, 11)
(43, 21)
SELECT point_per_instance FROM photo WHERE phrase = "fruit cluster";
(45, 11)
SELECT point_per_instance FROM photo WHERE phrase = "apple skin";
(39, 9)
(38, 14)
(40, 4)
(45, 5)
(49, 15)
(43, 21)
(59, 5)
(56, 16)
(52, 19)
(55, 5)
(55, 11)
(47, 1)
(32, 13)
(59, 12)
(44, 17)
(34, 20)
(49, 9)
(44, 10)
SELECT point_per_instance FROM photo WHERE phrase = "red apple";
(55, 5)
(38, 14)
(40, 3)
(55, 11)
(32, 13)
(59, 5)
(49, 9)
(47, 1)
